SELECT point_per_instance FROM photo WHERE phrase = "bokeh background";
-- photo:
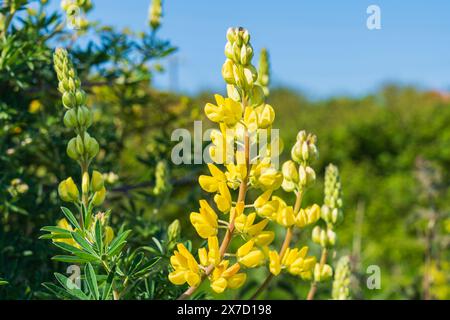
(378, 100)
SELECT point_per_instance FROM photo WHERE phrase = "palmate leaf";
(91, 280)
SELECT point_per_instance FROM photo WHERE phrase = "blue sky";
(321, 47)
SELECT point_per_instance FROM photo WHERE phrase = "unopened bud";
(70, 118)
(85, 183)
(97, 181)
(306, 175)
(69, 100)
(72, 149)
(323, 273)
(227, 72)
(99, 197)
(84, 117)
(290, 171)
(80, 96)
(174, 230)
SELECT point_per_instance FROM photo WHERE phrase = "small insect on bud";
(70, 118)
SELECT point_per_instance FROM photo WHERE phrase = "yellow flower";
(211, 257)
(244, 224)
(285, 216)
(186, 268)
(63, 224)
(250, 256)
(226, 277)
(264, 238)
(322, 273)
(264, 176)
(227, 111)
(205, 222)
(211, 183)
(275, 263)
(68, 190)
(99, 197)
(35, 106)
(222, 148)
(266, 116)
(223, 198)
(235, 174)
(296, 261)
(307, 216)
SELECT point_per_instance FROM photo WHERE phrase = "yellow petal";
(177, 277)
(192, 278)
(219, 285)
(237, 280)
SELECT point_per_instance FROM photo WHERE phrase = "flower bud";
(233, 92)
(72, 149)
(99, 197)
(323, 273)
(69, 100)
(85, 183)
(307, 176)
(62, 191)
(288, 185)
(227, 72)
(80, 96)
(316, 234)
(84, 117)
(229, 51)
(97, 182)
(70, 118)
(266, 116)
(173, 232)
(91, 146)
(257, 96)
(79, 145)
(289, 170)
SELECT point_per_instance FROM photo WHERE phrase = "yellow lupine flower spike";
(205, 222)
(186, 267)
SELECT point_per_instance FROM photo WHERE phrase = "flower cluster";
(75, 11)
(82, 148)
(341, 283)
(245, 122)
(155, 14)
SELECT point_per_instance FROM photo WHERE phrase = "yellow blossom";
(250, 256)
(245, 224)
(307, 216)
(211, 257)
(35, 106)
(223, 198)
(205, 222)
(186, 267)
(227, 111)
(63, 224)
(226, 277)
(235, 174)
(211, 183)
(275, 263)
(264, 238)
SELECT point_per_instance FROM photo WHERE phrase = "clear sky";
(322, 47)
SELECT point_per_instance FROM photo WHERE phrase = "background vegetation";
(392, 148)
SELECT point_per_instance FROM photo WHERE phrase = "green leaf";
(147, 267)
(72, 288)
(117, 243)
(57, 291)
(83, 243)
(55, 230)
(69, 215)
(99, 237)
(91, 280)
(70, 259)
(54, 236)
(108, 285)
